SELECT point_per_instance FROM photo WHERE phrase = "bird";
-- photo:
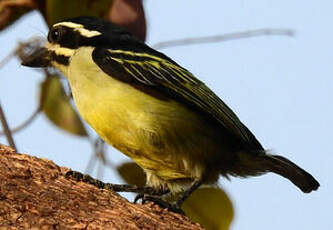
(155, 111)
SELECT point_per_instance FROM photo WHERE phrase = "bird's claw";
(138, 197)
(160, 202)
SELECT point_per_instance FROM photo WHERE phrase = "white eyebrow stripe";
(69, 24)
(88, 33)
(79, 28)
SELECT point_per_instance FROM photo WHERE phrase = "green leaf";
(57, 10)
(57, 107)
(211, 207)
(132, 173)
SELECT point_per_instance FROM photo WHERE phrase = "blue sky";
(280, 87)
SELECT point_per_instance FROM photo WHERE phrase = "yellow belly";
(165, 138)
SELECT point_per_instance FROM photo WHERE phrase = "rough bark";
(35, 194)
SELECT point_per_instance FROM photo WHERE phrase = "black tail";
(284, 167)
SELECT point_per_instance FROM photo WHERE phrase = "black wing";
(157, 71)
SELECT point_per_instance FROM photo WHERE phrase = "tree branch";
(34, 193)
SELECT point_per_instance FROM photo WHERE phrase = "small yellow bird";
(155, 111)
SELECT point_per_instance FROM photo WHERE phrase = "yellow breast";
(162, 136)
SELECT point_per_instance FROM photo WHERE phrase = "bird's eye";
(54, 35)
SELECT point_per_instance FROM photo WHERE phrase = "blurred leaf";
(132, 173)
(11, 10)
(57, 10)
(55, 104)
(211, 207)
(130, 14)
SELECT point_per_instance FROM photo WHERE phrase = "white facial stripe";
(69, 24)
(60, 50)
(88, 33)
(80, 28)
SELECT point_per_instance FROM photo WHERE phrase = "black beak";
(38, 58)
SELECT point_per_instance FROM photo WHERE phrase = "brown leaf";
(56, 106)
(11, 10)
(130, 14)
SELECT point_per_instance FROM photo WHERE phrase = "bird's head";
(65, 37)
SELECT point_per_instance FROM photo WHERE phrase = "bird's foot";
(145, 193)
(78, 176)
(176, 207)
(160, 202)
(115, 187)
(150, 191)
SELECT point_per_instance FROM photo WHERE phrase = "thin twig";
(223, 37)
(98, 157)
(100, 170)
(6, 129)
(25, 123)
(91, 163)
(4, 61)
(93, 157)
